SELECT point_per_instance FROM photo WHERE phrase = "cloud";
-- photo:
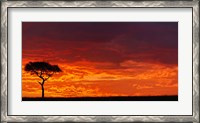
(102, 42)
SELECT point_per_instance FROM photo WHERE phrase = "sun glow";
(86, 81)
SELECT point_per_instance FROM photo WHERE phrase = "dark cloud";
(105, 41)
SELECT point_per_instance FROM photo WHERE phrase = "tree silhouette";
(43, 70)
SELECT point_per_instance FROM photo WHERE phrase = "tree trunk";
(42, 91)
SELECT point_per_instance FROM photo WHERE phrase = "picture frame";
(6, 5)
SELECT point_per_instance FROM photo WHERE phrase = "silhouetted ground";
(116, 98)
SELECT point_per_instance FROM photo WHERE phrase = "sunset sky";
(102, 58)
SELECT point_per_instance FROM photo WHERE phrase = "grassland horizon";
(110, 98)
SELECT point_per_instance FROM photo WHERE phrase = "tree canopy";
(44, 70)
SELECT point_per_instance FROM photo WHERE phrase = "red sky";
(102, 58)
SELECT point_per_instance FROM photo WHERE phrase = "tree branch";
(34, 71)
(40, 83)
(40, 76)
(41, 73)
(49, 75)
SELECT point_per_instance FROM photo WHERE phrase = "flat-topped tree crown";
(41, 66)
(43, 70)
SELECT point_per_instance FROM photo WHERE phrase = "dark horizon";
(112, 98)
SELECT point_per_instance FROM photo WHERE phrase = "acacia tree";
(43, 70)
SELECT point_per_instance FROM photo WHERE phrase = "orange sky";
(102, 59)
